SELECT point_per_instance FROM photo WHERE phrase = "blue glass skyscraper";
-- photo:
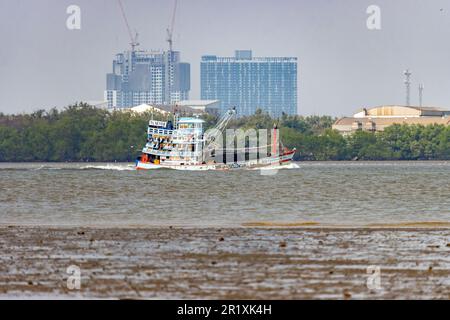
(249, 83)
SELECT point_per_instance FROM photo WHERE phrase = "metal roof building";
(378, 118)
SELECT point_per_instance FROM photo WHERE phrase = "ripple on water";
(336, 193)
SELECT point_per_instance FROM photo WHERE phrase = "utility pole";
(408, 74)
(421, 87)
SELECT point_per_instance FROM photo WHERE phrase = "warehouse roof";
(390, 121)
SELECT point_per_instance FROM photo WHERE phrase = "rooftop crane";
(171, 27)
(134, 39)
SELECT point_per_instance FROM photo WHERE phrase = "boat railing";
(194, 140)
(164, 132)
(179, 153)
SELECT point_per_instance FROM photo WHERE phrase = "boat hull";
(267, 163)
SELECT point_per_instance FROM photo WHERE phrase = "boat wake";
(114, 167)
(69, 167)
(119, 167)
(279, 167)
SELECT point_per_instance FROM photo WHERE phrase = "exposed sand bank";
(313, 224)
(248, 263)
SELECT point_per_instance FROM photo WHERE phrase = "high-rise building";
(140, 77)
(249, 83)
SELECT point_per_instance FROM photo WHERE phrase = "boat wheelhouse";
(174, 144)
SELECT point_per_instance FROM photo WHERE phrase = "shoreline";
(301, 161)
(263, 225)
(224, 263)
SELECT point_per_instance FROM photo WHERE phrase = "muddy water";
(344, 193)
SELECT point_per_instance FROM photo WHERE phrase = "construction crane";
(169, 57)
(171, 27)
(134, 39)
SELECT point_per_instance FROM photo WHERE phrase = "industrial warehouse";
(378, 118)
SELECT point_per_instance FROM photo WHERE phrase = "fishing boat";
(182, 144)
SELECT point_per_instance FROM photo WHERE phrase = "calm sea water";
(350, 193)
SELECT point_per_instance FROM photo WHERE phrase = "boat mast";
(213, 134)
(275, 141)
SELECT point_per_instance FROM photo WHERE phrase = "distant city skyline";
(342, 64)
(146, 77)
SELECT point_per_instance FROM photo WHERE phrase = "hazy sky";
(342, 65)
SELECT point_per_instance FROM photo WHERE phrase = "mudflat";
(229, 263)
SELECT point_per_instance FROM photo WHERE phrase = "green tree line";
(84, 133)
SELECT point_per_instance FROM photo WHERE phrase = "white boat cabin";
(179, 143)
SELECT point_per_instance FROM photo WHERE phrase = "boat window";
(186, 126)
